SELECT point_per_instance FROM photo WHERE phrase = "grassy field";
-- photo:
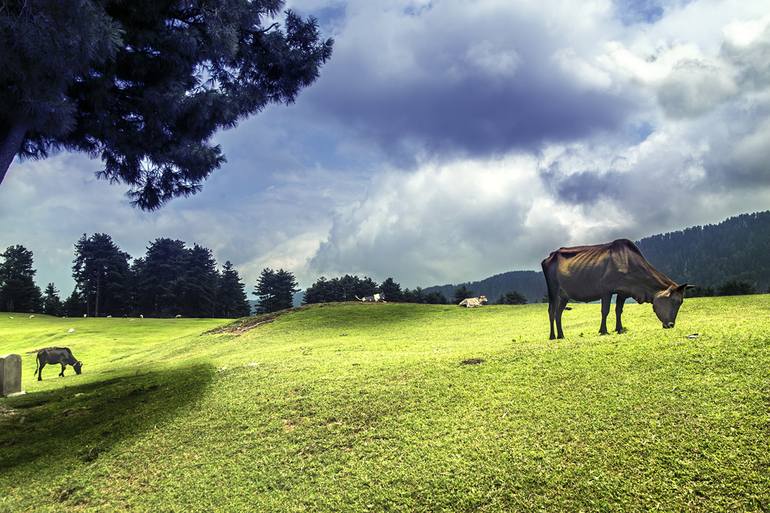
(369, 408)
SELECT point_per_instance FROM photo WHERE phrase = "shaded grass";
(368, 407)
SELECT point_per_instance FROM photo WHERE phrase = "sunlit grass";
(368, 407)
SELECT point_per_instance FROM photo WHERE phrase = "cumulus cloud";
(454, 221)
(702, 157)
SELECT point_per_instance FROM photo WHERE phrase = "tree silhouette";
(52, 304)
(145, 84)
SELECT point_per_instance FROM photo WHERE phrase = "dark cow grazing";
(589, 273)
(54, 355)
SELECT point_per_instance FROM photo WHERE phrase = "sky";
(447, 141)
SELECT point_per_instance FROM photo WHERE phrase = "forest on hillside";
(737, 249)
(732, 257)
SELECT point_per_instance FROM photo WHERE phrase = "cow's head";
(666, 304)
(78, 366)
(482, 299)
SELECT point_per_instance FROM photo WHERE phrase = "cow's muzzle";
(668, 325)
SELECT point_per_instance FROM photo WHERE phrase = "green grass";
(368, 408)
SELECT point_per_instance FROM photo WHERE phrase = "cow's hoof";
(621, 331)
(603, 333)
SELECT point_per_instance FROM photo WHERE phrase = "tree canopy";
(512, 298)
(145, 84)
(18, 292)
(52, 304)
(102, 275)
(275, 290)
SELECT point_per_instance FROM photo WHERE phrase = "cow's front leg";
(63, 366)
(619, 312)
(40, 372)
(605, 313)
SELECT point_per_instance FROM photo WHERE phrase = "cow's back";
(586, 273)
(55, 354)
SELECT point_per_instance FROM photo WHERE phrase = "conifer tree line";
(349, 287)
(170, 280)
(173, 279)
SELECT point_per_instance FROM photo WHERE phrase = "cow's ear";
(681, 288)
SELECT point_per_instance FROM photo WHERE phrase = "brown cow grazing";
(589, 273)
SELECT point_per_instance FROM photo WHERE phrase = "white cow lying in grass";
(376, 298)
(473, 302)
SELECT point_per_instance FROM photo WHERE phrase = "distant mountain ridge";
(528, 283)
(735, 249)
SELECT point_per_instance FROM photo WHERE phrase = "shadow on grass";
(82, 422)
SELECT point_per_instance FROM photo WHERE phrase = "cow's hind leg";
(40, 372)
(605, 312)
(563, 300)
(553, 299)
(619, 312)
(551, 317)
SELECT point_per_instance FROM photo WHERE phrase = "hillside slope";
(351, 407)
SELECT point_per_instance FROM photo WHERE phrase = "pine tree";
(414, 296)
(101, 273)
(18, 292)
(161, 278)
(275, 290)
(146, 84)
(74, 305)
(199, 285)
(391, 290)
(52, 304)
(512, 298)
(435, 298)
(318, 292)
(231, 294)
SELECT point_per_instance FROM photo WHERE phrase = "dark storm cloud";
(583, 186)
(453, 81)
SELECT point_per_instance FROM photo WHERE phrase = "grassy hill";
(369, 407)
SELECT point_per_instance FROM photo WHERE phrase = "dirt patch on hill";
(245, 324)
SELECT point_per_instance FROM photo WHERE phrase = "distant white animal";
(141, 316)
(10, 316)
(109, 317)
(71, 330)
(178, 316)
(31, 316)
(85, 315)
(376, 298)
(473, 302)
